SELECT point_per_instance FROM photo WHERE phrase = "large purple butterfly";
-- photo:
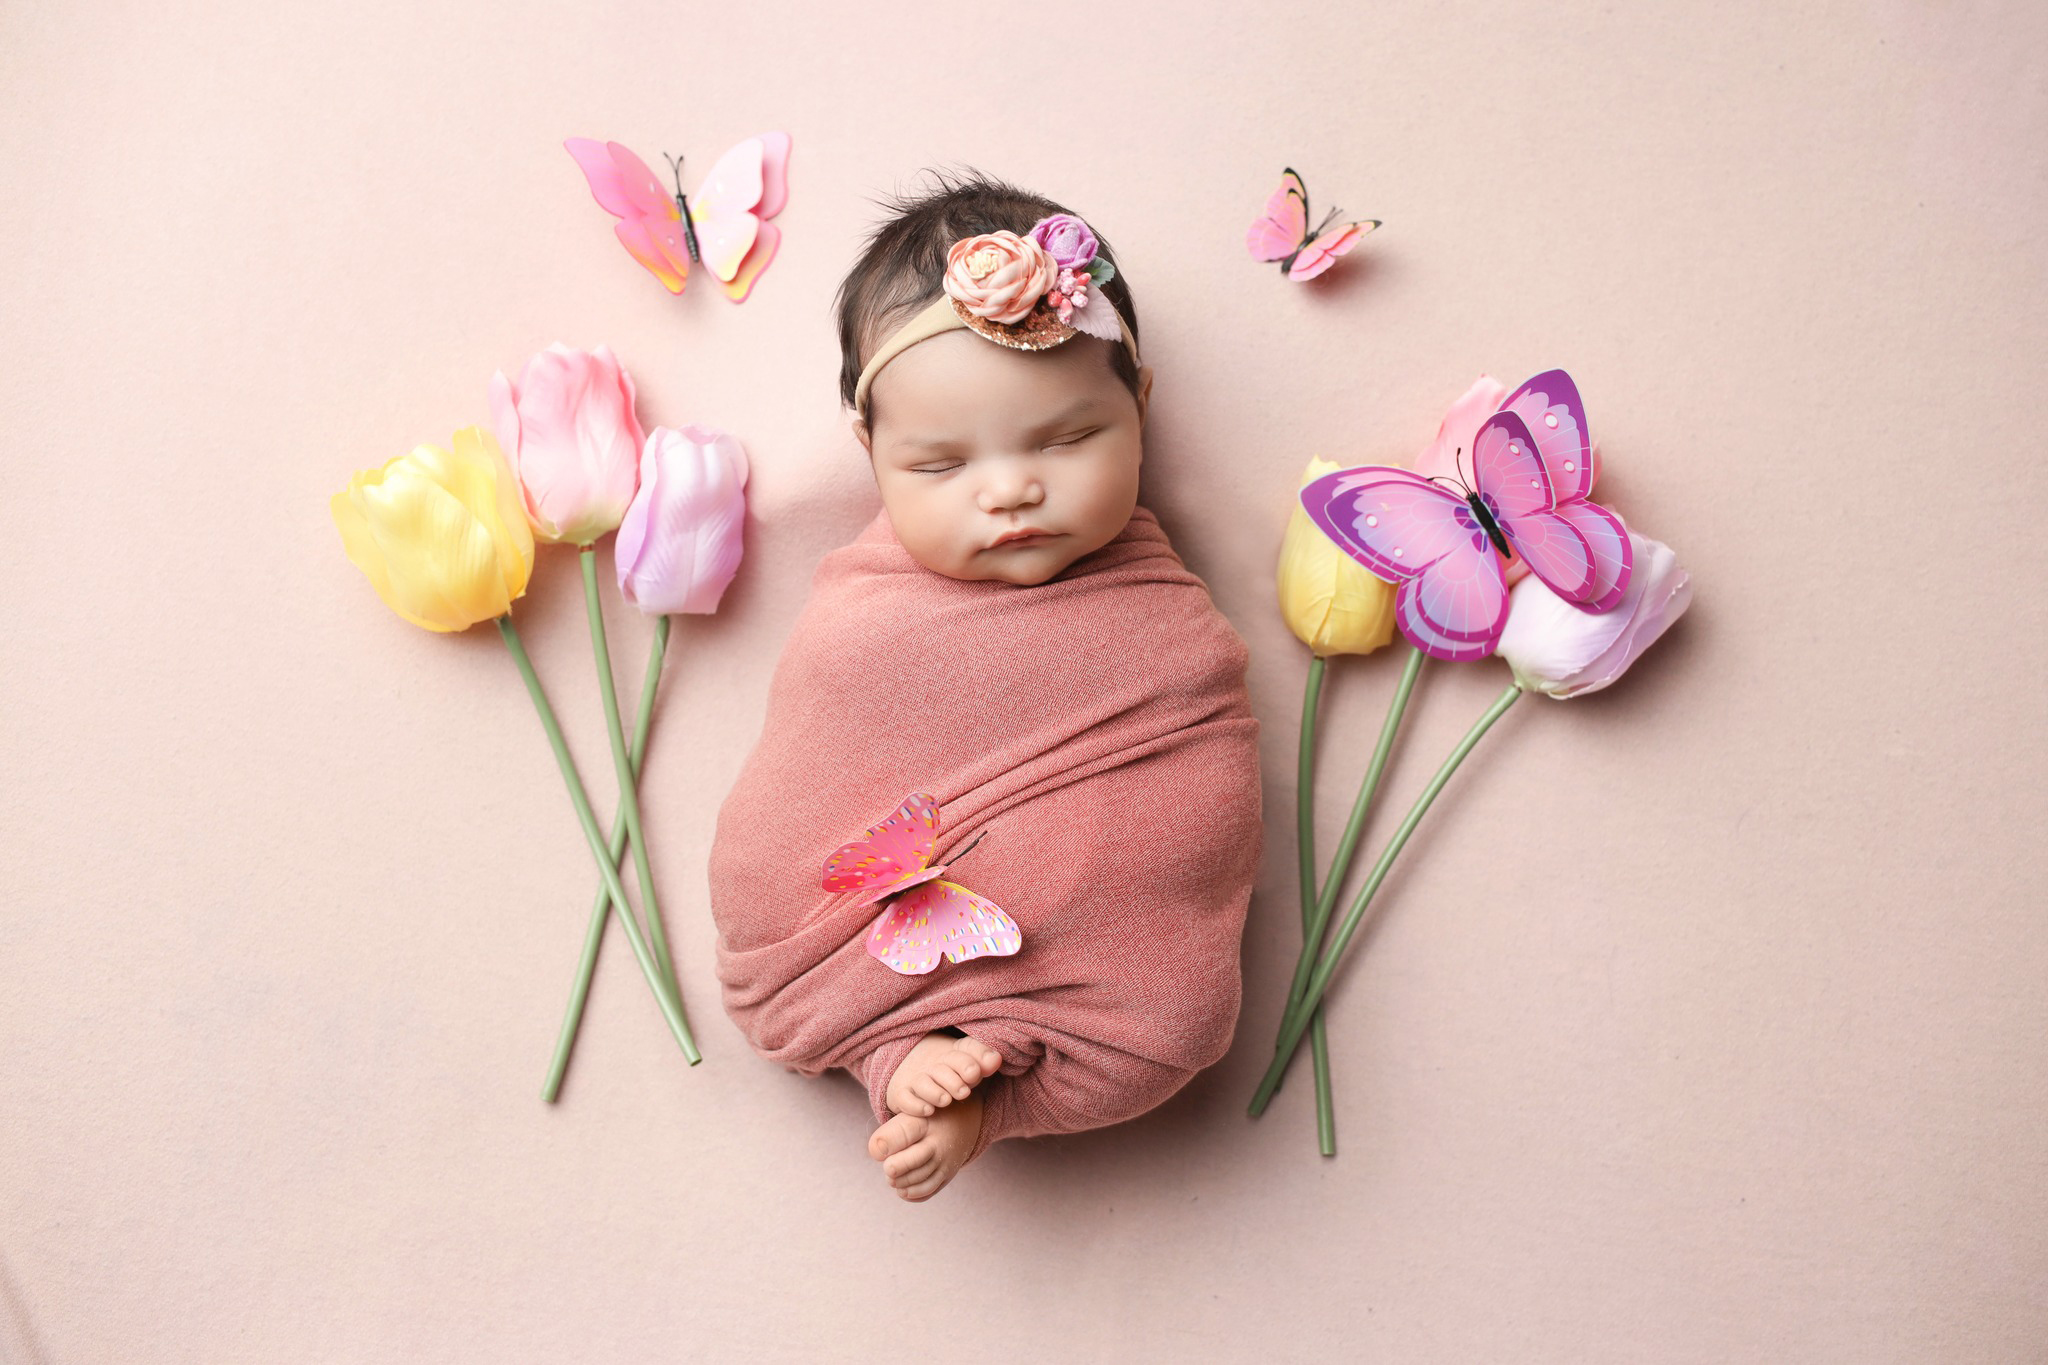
(1532, 469)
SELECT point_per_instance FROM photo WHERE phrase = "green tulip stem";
(1312, 937)
(1297, 1019)
(572, 1018)
(669, 1010)
(622, 762)
(1305, 845)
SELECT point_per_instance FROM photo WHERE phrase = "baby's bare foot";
(919, 1155)
(939, 1071)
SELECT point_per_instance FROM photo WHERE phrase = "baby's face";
(974, 441)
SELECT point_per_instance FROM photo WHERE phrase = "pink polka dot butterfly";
(926, 918)
(1532, 474)
(727, 229)
(1282, 233)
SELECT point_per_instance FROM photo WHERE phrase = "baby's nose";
(1004, 491)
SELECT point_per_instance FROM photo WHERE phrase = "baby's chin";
(1026, 566)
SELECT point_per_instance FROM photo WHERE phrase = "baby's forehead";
(961, 367)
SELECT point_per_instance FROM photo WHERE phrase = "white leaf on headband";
(1097, 318)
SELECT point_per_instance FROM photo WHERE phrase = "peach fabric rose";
(999, 275)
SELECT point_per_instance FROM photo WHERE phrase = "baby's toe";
(896, 1135)
(932, 1091)
(949, 1076)
(975, 1064)
(912, 1162)
(925, 1186)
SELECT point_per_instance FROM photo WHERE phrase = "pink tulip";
(571, 436)
(679, 545)
(1562, 650)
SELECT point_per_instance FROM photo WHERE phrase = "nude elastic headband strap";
(941, 316)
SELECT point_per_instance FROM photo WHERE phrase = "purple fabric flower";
(1065, 238)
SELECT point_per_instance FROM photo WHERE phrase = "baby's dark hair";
(900, 269)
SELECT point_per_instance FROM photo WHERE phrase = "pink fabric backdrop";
(291, 896)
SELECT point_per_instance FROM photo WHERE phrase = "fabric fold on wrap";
(1098, 728)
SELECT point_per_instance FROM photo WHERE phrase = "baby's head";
(987, 409)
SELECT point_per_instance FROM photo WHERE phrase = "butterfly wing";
(1613, 555)
(749, 183)
(1278, 231)
(1322, 253)
(893, 855)
(1556, 417)
(649, 225)
(1515, 486)
(1452, 600)
(941, 919)
(766, 240)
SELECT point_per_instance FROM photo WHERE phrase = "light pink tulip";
(680, 543)
(573, 440)
(1562, 650)
(1460, 425)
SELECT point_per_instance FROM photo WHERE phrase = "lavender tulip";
(680, 543)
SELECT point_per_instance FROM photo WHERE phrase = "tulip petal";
(1562, 650)
(441, 560)
(438, 534)
(632, 538)
(579, 442)
(680, 542)
(1460, 428)
(500, 511)
(1331, 602)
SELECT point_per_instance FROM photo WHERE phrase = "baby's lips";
(1009, 537)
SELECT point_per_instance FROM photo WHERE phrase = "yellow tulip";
(440, 534)
(1332, 603)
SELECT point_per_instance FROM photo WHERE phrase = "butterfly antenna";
(1328, 219)
(969, 849)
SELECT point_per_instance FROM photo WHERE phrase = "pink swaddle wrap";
(1098, 729)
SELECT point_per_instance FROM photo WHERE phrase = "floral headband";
(1029, 293)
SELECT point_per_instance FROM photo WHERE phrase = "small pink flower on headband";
(999, 275)
(1069, 292)
(1066, 239)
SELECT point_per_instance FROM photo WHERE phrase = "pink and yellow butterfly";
(928, 918)
(727, 228)
(1282, 233)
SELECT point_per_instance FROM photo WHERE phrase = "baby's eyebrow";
(1073, 410)
(1056, 421)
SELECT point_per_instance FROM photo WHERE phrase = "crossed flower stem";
(572, 1017)
(627, 768)
(1296, 1021)
(671, 1008)
(1316, 907)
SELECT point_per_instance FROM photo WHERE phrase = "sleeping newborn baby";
(1014, 636)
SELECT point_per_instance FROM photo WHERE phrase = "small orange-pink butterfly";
(727, 228)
